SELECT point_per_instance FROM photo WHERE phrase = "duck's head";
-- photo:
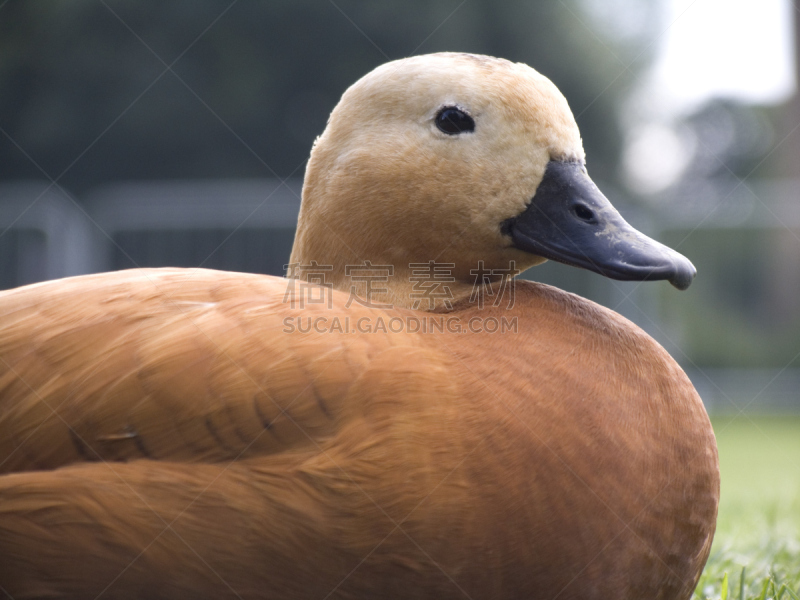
(472, 162)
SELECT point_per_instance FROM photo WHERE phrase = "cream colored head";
(384, 184)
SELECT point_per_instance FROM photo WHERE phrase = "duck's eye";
(453, 121)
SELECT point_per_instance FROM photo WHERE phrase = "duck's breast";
(597, 471)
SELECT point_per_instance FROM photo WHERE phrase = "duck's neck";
(358, 245)
(383, 276)
(381, 282)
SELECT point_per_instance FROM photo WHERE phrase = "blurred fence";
(248, 225)
(240, 225)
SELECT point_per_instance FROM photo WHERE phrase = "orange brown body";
(163, 436)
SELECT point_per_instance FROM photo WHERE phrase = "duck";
(398, 417)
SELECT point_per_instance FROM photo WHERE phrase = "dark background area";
(95, 92)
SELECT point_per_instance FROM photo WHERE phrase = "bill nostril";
(583, 213)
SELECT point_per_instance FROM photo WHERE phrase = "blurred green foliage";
(742, 310)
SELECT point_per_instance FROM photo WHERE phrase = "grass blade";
(741, 585)
(763, 595)
(792, 593)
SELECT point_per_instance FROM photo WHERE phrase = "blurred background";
(176, 133)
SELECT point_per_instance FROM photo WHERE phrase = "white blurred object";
(736, 49)
(730, 48)
(655, 157)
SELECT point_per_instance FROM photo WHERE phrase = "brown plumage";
(172, 434)
(198, 447)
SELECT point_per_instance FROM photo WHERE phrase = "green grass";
(757, 543)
